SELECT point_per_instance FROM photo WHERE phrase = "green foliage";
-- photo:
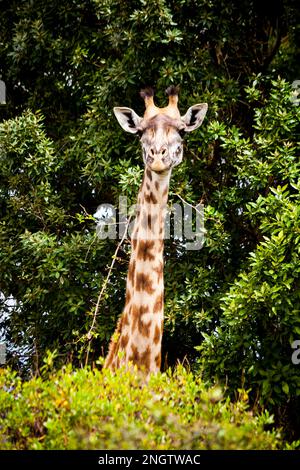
(88, 409)
(260, 312)
(49, 255)
(62, 154)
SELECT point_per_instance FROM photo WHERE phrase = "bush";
(88, 409)
(259, 318)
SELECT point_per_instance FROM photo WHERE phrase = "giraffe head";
(161, 130)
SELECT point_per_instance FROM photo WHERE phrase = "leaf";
(285, 388)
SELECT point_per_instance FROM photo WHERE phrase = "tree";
(251, 345)
(65, 65)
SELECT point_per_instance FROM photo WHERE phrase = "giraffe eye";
(178, 150)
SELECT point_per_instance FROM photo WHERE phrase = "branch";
(185, 202)
(93, 325)
(196, 209)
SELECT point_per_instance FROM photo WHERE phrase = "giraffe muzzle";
(159, 160)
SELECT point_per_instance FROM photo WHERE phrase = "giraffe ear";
(194, 117)
(128, 119)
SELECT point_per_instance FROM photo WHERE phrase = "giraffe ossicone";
(138, 336)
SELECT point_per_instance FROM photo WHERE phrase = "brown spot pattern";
(144, 328)
(124, 341)
(156, 337)
(151, 221)
(145, 358)
(131, 271)
(113, 349)
(108, 362)
(160, 245)
(150, 198)
(158, 304)
(144, 283)
(137, 320)
(134, 357)
(128, 297)
(144, 250)
(148, 222)
(158, 360)
(159, 271)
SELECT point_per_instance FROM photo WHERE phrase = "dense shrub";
(88, 409)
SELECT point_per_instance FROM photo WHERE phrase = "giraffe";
(138, 336)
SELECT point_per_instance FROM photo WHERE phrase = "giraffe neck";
(141, 324)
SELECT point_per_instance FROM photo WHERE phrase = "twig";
(196, 209)
(90, 245)
(185, 202)
(89, 334)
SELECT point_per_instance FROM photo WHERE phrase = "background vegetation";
(233, 307)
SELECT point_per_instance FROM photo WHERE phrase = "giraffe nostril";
(152, 152)
(164, 152)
